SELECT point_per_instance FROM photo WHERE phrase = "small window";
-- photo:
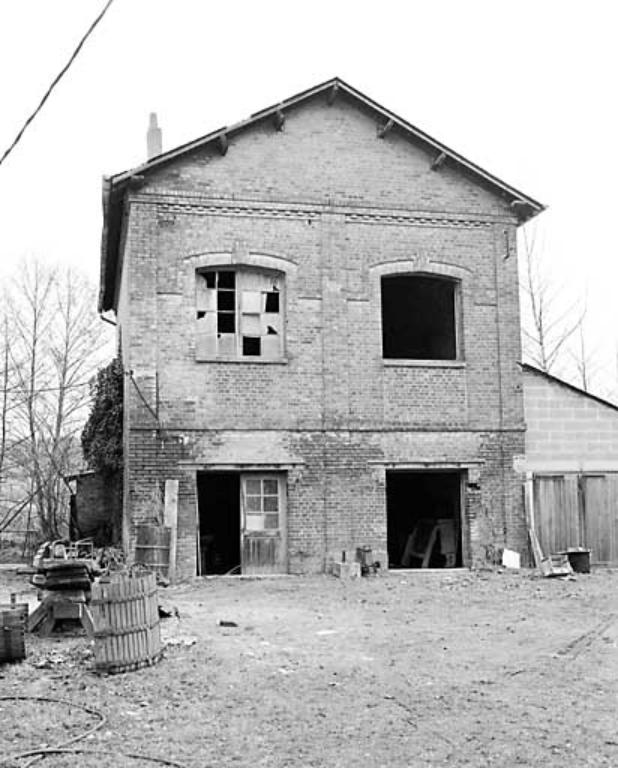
(419, 317)
(239, 314)
(261, 503)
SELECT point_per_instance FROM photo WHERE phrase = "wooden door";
(556, 512)
(263, 523)
(600, 513)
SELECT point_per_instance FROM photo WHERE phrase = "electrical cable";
(100, 753)
(55, 82)
(49, 700)
(64, 748)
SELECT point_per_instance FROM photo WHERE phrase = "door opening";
(423, 511)
(218, 498)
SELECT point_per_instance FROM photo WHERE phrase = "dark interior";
(418, 318)
(423, 519)
(218, 495)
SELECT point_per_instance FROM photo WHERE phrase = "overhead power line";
(56, 81)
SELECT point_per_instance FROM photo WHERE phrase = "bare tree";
(55, 344)
(549, 322)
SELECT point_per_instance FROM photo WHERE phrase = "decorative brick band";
(411, 220)
(168, 210)
(235, 210)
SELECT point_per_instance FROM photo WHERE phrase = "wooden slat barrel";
(125, 617)
(13, 620)
(152, 548)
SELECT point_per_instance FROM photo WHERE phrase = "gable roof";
(114, 186)
(527, 368)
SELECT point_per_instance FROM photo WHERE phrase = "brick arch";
(419, 265)
(241, 258)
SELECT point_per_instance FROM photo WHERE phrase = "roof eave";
(529, 207)
(524, 207)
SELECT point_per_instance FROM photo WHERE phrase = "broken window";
(419, 317)
(238, 314)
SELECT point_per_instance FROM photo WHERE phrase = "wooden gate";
(263, 523)
(578, 510)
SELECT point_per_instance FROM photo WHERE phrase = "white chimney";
(154, 142)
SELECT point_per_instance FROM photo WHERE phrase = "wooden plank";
(556, 512)
(597, 517)
(171, 521)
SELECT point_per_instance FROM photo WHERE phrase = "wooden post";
(171, 521)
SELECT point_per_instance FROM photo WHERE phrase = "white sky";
(525, 89)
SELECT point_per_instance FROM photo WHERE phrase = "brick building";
(318, 315)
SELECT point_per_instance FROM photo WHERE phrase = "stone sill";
(404, 363)
(243, 360)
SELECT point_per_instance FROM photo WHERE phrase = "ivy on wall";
(102, 433)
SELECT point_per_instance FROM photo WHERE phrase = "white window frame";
(253, 290)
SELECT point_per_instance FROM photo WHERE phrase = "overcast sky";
(527, 90)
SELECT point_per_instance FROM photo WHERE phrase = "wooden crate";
(125, 619)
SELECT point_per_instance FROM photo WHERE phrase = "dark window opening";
(251, 346)
(423, 511)
(226, 300)
(225, 322)
(226, 279)
(272, 302)
(218, 496)
(201, 314)
(419, 318)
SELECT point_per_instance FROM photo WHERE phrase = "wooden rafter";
(438, 162)
(279, 120)
(384, 129)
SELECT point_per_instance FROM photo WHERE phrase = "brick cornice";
(172, 204)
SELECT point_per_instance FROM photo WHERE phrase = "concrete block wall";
(567, 430)
(334, 208)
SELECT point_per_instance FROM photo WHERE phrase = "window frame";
(279, 279)
(262, 478)
(455, 362)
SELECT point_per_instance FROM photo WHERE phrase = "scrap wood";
(554, 565)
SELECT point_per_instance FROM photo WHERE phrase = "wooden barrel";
(125, 618)
(152, 548)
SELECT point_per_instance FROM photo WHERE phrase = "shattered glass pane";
(225, 322)
(226, 300)
(272, 302)
(251, 346)
(227, 279)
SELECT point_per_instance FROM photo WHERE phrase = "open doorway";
(423, 512)
(218, 497)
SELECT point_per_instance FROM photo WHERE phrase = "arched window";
(419, 317)
(239, 313)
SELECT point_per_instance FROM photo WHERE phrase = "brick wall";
(334, 208)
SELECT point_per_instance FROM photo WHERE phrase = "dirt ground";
(404, 669)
